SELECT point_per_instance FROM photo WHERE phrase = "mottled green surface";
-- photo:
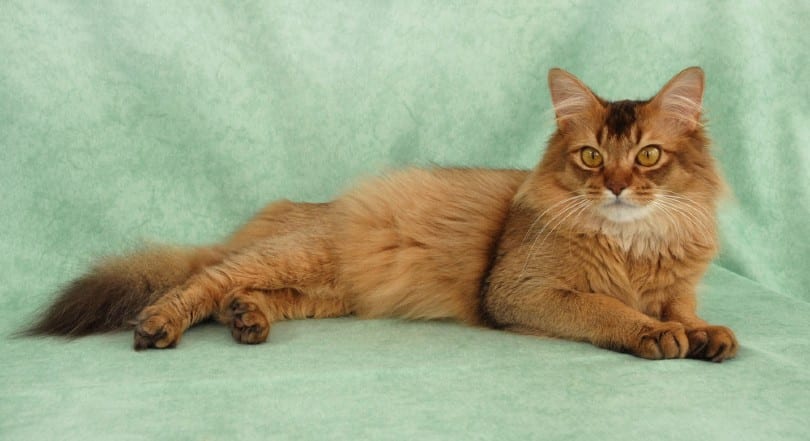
(174, 121)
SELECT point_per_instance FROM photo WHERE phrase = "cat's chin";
(623, 213)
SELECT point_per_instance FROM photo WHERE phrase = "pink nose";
(616, 187)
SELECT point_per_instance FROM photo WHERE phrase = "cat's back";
(462, 195)
(419, 240)
(421, 203)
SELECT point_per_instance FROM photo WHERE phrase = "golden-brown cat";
(604, 241)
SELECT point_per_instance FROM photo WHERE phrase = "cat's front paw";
(662, 341)
(155, 329)
(712, 343)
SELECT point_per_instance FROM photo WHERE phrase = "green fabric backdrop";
(174, 121)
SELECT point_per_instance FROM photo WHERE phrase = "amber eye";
(649, 156)
(590, 156)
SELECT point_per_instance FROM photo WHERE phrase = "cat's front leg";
(706, 342)
(712, 343)
(597, 318)
(659, 341)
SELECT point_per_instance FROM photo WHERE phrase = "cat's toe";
(698, 340)
(663, 341)
(718, 343)
(155, 330)
(249, 324)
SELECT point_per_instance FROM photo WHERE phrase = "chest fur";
(643, 281)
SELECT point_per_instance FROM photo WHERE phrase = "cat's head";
(626, 162)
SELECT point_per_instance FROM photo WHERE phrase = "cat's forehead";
(620, 120)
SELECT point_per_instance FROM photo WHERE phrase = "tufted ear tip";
(554, 71)
(692, 70)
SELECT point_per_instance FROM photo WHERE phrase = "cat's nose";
(616, 187)
(617, 180)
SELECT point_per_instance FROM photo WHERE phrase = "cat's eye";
(649, 156)
(590, 157)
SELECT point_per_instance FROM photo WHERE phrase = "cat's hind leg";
(301, 261)
(251, 313)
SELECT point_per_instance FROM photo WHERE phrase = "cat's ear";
(572, 99)
(681, 99)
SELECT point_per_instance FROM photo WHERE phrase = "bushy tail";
(112, 294)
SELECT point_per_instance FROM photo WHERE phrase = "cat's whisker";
(694, 214)
(564, 214)
(694, 206)
(666, 210)
(674, 212)
(573, 205)
(576, 212)
(540, 216)
(676, 206)
(695, 198)
(567, 204)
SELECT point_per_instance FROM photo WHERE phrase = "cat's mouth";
(619, 202)
(621, 210)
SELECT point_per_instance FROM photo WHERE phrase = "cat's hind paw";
(248, 322)
(155, 330)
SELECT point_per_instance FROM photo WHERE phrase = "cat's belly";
(415, 244)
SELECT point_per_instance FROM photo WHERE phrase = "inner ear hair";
(681, 99)
(571, 98)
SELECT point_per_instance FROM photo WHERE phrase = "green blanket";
(174, 121)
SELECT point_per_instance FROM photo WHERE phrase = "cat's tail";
(116, 289)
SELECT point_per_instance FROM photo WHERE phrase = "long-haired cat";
(604, 241)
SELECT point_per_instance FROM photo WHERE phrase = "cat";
(603, 241)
